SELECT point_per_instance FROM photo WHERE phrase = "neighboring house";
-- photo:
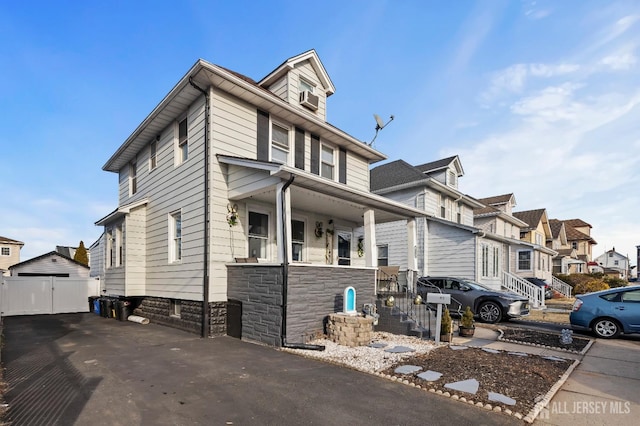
(226, 168)
(447, 241)
(614, 264)
(526, 254)
(51, 264)
(96, 254)
(566, 261)
(69, 252)
(9, 254)
(579, 238)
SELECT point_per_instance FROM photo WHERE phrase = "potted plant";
(446, 326)
(466, 328)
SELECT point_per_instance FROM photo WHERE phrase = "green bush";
(467, 318)
(615, 282)
(446, 323)
(590, 286)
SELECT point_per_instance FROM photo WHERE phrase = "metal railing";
(524, 288)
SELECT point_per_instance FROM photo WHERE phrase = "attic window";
(306, 86)
(452, 178)
(6, 251)
(54, 260)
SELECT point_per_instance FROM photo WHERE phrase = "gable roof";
(573, 234)
(51, 253)
(530, 217)
(205, 74)
(290, 63)
(498, 200)
(393, 174)
(442, 164)
(556, 227)
(5, 240)
(576, 223)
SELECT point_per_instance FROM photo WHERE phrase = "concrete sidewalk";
(602, 390)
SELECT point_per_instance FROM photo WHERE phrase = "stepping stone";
(491, 351)
(518, 353)
(468, 386)
(498, 397)
(378, 345)
(399, 350)
(430, 376)
(407, 369)
(458, 348)
(553, 358)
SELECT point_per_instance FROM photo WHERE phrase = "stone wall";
(350, 330)
(158, 309)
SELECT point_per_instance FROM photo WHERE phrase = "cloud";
(620, 62)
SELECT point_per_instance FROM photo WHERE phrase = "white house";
(615, 263)
(240, 206)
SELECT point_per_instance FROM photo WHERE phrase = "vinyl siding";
(279, 88)
(451, 251)
(135, 252)
(357, 172)
(97, 257)
(46, 265)
(394, 235)
(305, 70)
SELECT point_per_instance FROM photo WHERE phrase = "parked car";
(487, 304)
(548, 293)
(608, 312)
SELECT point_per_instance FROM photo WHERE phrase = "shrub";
(467, 318)
(590, 286)
(446, 324)
(615, 282)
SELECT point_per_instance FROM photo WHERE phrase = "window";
(258, 235)
(133, 177)
(176, 307)
(279, 143)
(485, 260)
(327, 163)
(452, 178)
(297, 240)
(306, 86)
(383, 255)
(5, 251)
(153, 152)
(110, 248)
(344, 247)
(119, 246)
(631, 296)
(496, 261)
(459, 208)
(615, 262)
(443, 208)
(574, 245)
(524, 260)
(538, 239)
(175, 237)
(183, 141)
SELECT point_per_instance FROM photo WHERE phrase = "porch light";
(417, 300)
(390, 301)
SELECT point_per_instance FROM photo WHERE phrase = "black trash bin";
(106, 307)
(123, 309)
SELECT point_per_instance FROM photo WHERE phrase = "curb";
(531, 416)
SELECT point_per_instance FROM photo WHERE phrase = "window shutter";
(315, 154)
(299, 149)
(263, 136)
(342, 166)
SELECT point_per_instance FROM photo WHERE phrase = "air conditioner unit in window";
(309, 100)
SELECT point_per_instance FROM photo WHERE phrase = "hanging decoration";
(318, 231)
(329, 244)
(232, 215)
(360, 246)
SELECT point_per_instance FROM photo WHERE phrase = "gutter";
(206, 326)
(285, 279)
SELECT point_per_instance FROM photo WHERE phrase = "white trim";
(531, 259)
(256, 208)
(171, 223)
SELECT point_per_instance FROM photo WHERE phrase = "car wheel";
(606, 328)
(490, 312)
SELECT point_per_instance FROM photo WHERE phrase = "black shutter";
(299, 162)
(342, 166)
(263, 136)
(315, 154)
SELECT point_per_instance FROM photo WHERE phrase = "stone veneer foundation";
(350, 330)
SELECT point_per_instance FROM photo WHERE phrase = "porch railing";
(560, 286)
(524, 288)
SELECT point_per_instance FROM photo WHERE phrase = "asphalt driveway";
(87, 370)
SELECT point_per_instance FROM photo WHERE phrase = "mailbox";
(438, 298)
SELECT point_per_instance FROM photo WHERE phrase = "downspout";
(285, 278)
(206, 327)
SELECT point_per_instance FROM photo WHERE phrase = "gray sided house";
(52, 264)
(241, 209)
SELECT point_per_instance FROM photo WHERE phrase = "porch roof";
(315, 193)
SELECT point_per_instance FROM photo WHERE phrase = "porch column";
(281, 244)
(412, 248)
(370, 248)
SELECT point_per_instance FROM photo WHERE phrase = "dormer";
(302, 81)
(446, 171)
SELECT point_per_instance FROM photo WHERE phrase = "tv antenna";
(379, 126)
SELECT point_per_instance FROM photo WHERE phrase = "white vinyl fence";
(46, 295)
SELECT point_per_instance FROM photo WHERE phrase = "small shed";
(51, 264)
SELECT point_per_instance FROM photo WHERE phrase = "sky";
(538, 98)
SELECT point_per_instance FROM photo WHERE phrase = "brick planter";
(350, 330)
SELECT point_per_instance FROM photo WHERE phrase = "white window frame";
(153, 154)
(306, 85)
(485, 260)
(539, 239)
(110, 263)
(303, 242)
(277, 146)
(258, 210)
(443, 206)
(119, 246)
(175, 241)
(452, 178)
(496, 261)
(333, 161)
(2, 251)
(182, 145)
(518, 268)
(133, 176)
(175, 308)
(343, 230)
